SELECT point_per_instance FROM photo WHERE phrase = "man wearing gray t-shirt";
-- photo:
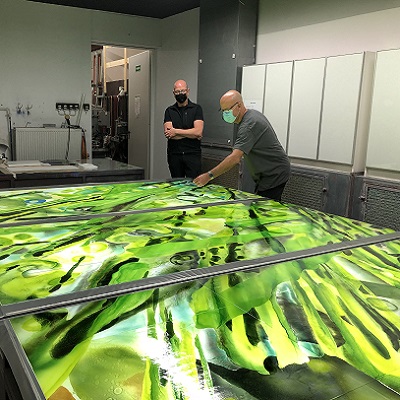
(257, 142)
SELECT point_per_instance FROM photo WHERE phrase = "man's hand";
(170, 133)
(225, 165)
(202, 179)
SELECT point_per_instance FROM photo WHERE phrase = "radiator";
(46, 144)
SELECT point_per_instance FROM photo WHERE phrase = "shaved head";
(180, 84)
(181, 93)
(231, 99)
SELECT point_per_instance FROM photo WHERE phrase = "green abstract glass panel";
(315, 328)
(46, 259)
(28, 204)
(309, 329)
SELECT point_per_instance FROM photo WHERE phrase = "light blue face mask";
(227, 115)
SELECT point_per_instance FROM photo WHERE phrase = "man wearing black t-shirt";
(183, 127)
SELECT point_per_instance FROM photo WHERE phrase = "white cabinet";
(277, 96)
(253, 78)
(340, 108)
(320, 108)
(308, 79)
(267, 88)
(384, 136)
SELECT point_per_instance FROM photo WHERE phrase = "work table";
(37, 173)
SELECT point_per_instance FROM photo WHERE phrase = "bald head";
(180, 84)
(232, 98)
(181, 93)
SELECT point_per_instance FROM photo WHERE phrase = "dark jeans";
(184, 165)
(273, 193)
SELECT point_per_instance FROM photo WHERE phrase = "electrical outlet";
(67, 106)
(86, 107)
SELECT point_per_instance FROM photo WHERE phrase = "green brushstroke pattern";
(342, 305)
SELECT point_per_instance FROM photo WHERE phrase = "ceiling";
(144, 8)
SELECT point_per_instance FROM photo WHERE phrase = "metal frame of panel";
(15, 359)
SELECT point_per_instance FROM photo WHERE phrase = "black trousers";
(184, 165)
(273, 193)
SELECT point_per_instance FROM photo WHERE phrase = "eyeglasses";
(183, 91)
(230, 108)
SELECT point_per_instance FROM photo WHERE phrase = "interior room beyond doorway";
(110, 100)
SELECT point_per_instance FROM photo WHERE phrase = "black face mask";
(181, 97)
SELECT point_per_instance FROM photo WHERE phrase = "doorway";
(139, 111)
(121, 104)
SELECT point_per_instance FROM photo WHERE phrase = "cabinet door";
(253, 77)
(278, 84)
(384, 135)
(340, 108)
(305, 119)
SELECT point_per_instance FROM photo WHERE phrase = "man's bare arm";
(193, 133)
(224, 166)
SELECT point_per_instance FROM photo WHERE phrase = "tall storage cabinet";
(267, 88)
(340, 108)
(340, 119)
(278, 83)
(319, 108)
(253, 80)
(307, 92)
(384, 136)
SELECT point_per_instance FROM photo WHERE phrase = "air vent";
(305, 190)
(382, 207)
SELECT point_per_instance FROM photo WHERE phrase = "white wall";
(302, 29)
(43, 59)
(45, 55)
(305, 29)
(124, 30)
(176, 59)
(45, 49)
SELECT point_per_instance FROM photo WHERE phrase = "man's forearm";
(191, 133)
(226, 164)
